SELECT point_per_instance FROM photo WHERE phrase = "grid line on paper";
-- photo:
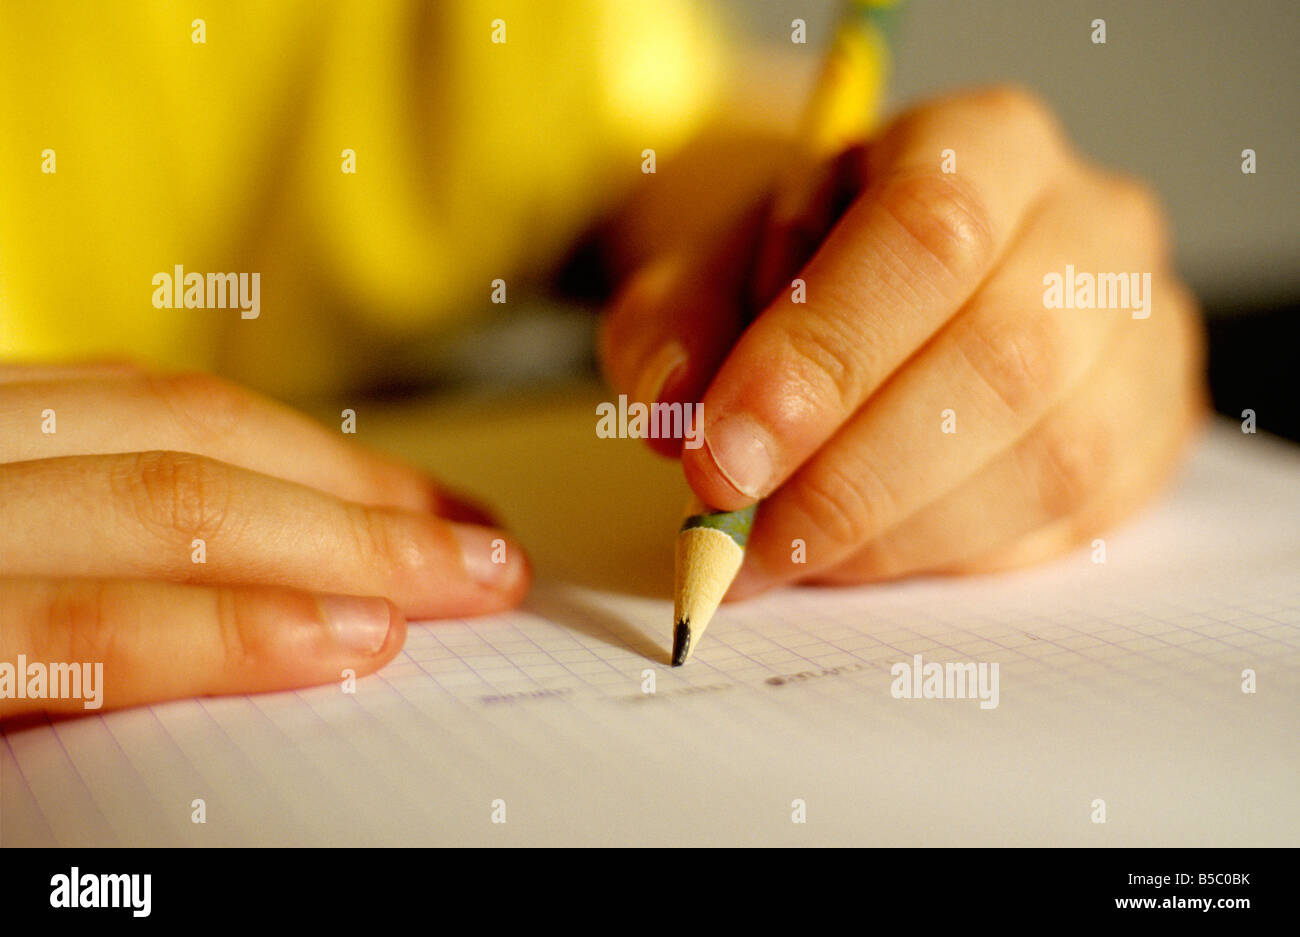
(1141, 639)
(27, 786)
(1151, 648)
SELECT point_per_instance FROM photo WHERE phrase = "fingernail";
(490, 559)
(670, 357)
(740, 450)
(650, 285)
(359, 623)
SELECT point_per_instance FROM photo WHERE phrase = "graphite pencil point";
(681, 642)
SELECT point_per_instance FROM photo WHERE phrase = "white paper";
(1118, 682)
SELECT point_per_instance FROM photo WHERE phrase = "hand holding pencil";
(911, 400)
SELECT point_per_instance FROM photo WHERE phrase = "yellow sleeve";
(473, 159)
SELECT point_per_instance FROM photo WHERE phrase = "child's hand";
(925, 409)
(197, 539)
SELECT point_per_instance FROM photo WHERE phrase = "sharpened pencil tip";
(681, 642)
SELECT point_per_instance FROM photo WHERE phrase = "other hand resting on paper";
(198, 539)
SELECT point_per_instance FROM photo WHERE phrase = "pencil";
(711, 544)
(710, 549)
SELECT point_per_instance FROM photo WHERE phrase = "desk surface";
(1120, 689)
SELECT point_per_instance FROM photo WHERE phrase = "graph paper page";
(1120, 683)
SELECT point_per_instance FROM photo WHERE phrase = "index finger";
(905, 257)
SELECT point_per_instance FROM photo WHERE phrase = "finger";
(669, 328)
(1129, 491)
(202, 414)
(180, 516)
(902, 260)
(1117, 433)
(157, 640)
(1104, 510)
(978, 387)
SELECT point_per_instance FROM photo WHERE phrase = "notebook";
(1150, 699)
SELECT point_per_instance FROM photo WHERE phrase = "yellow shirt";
(135, 138)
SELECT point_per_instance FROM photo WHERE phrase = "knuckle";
(1016, 107)
(77, 625)
(1133, 194)
(379, 545)
(177, 495)
(823, 362)
(943, 216)
(1137, 207)
(879, 559)
(239, 640)
(1066, 465)
(839, 508)
(205, 406)
(1021, 361)
(1021, 118)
